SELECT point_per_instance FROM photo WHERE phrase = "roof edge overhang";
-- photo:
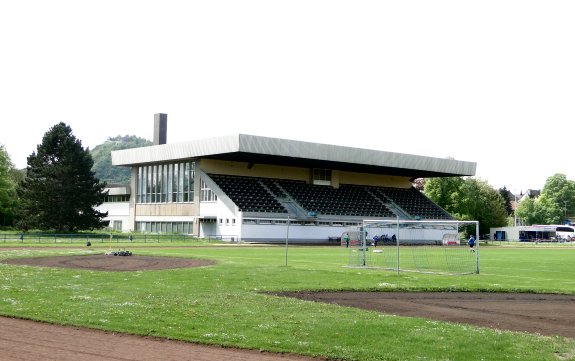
(251, 148)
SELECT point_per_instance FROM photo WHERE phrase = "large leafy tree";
(60, 191)
(8, 197)
(444, 191)
(557, 198)
(468, 199)
(529, 213)
(481, 202)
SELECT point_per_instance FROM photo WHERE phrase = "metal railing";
(51, 238)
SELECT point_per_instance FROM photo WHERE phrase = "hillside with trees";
(102, 155)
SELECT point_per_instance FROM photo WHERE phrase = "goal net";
(420, 246)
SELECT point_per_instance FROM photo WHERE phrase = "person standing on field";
(471, 243)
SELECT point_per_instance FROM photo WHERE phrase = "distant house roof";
(530, 193)
(264, 150)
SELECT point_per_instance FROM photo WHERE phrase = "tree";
(481, 202)
(102, 155)
(60, 191)
(8, 196)
(561, 192)
(529, 213)
(468, 199)
(444, 191)
(507, 198)
(556, 202)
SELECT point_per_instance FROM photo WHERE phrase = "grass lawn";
(224, 304)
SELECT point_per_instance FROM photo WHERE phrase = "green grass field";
(224, 304)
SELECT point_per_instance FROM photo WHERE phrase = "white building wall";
(117, 211)
(296, 232)
(511, 233)
(228, 221)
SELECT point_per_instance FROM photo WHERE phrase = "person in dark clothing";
(471, 243)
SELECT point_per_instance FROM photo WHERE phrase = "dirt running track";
(22, 340)
(33, 341)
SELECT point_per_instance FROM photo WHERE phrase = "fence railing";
(45, 238)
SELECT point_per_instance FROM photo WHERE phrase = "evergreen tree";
(60, 190)
(507, 198)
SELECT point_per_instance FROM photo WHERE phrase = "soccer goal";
(420, 246)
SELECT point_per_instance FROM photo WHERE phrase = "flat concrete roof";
(265, 150)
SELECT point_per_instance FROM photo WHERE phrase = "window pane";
(181, 183)
(186, 190)
(175, 184)
(149, 185)
(164, 183)
(139, 182)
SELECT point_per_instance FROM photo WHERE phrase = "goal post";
(438, 246)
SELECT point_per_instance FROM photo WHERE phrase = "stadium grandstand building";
(259, 189)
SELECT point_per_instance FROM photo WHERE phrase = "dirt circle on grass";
(104, 262)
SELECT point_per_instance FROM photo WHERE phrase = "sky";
(491, 82)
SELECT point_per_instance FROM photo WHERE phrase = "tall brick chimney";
(160, 128)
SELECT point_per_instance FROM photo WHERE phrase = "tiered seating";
(274, 187)
(343, 201)
(413, 202)
(253, 194)
(248, 193)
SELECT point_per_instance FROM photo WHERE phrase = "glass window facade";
(164, 227)
(165, 183)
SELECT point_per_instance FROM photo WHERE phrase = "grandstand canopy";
(275, 151)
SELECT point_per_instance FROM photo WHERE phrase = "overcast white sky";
(491, 82)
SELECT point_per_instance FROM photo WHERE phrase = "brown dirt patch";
(103, 262)
(545, 314)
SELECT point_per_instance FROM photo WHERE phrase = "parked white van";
(565, 233)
